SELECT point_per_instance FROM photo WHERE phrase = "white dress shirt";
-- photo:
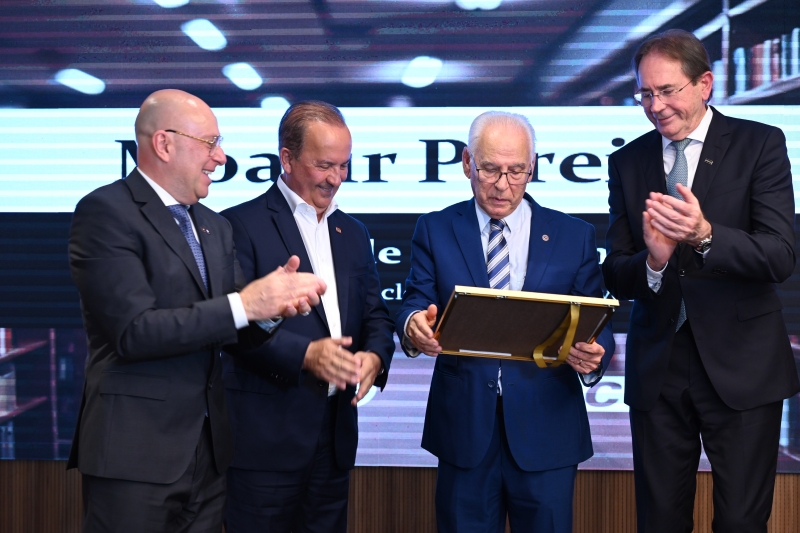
(237, 307)
(317, 241)
(692, 153)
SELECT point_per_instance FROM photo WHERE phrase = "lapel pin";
(545, 238)
(709, 162)
(205, 230)
(338, 229)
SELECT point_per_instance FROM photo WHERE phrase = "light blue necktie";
(499, 269)
(181, 214)
(679, 174)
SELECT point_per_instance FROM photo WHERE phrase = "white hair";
(499, 118)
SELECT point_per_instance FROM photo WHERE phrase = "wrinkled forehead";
(504, 145)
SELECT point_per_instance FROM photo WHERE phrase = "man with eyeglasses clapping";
(508, 435)
(701, 230)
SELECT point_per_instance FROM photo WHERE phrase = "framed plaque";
(523, 326)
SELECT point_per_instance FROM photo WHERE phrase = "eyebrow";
(659, 87)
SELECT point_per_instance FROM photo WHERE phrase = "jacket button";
(719, 271)
(210, 386)
(681, 272)
(321, 384)
(671, 320)
(492, 384)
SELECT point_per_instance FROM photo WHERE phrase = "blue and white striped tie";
(499, 270)
(679, 174)
(497, 257)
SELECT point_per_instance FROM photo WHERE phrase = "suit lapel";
(286, 227)
(539, 249)
(340, 256)
(714, 148)
(160, 217)
(653, 159)
(468, 236)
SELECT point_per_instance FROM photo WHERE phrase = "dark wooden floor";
(40, 496)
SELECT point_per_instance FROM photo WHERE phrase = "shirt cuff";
(237, 308)
(654, 277)
(409, 347)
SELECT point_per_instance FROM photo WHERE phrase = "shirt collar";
(296, 202)
(163, 194)
(514, 220)
(699, 133)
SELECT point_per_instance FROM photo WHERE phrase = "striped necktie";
(181, 214)
(499, 270)
(497, 263)
(679, 174)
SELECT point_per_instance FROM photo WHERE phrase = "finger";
(292, 264)
(430, 315)
(289, 311)
(343, 341)
(686, 192)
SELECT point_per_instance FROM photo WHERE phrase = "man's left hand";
(370, 367)
(677, 220)
(585, 358)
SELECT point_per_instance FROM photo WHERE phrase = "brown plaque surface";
(512, 324)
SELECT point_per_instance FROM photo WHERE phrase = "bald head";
(171, 128)
(171, 109)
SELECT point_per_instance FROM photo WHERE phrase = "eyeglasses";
(514, 177)
(645, 99)
(214, 142)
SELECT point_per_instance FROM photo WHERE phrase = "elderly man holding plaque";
(508, 434)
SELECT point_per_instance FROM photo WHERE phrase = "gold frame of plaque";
(518, 325)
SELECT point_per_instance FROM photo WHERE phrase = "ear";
(533, 166)
(465, 161)
(706, 82)
(286, 160)
(162, 145)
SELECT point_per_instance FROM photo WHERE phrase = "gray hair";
(499, 118)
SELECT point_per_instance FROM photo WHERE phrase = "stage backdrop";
(410, 75)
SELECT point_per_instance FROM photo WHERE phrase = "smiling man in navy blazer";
(702, 228)
(508, 435)
(294, 411)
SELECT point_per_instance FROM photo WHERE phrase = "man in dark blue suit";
(508, 435)
(294, 411)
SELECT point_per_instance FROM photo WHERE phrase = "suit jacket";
(544, 410)
(744, 185)
(154, 333)
(277, 407)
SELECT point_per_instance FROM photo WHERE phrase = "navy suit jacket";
(277, 407)
(744, 185)
(544, 410)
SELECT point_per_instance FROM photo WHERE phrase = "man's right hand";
(659, 247)
(283, 292)
(329, 361)
(419, 331)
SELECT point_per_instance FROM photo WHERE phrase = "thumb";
(343, 341)
(430, 315)
(292, 264)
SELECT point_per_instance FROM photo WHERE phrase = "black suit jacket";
(154, 332)
(744, 185)
(276, 407)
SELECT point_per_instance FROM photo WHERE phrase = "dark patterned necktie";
(679, 174)
(181, 214)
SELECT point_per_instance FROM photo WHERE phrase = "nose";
(218, 156)
(656, 104)
(502, 182)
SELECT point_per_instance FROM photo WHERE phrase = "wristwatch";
(704, 245)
